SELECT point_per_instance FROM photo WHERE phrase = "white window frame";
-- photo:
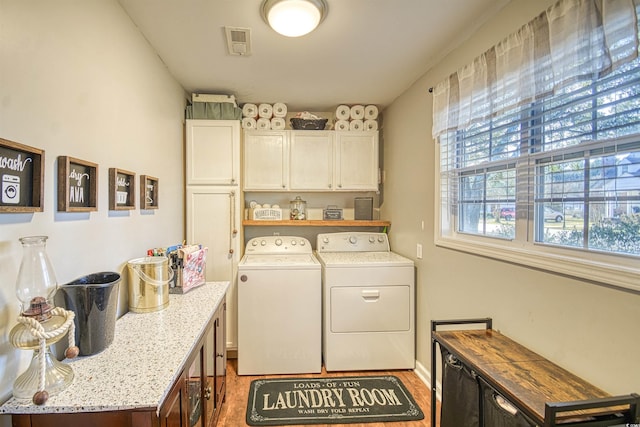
(612, 269)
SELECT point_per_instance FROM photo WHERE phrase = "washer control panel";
(353, 241)
(278, 245)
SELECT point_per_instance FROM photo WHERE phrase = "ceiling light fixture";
(294, 18)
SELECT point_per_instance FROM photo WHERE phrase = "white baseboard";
(425, 376)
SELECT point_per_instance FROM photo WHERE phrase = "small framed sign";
(121, 189)
(77, 185)
(148, 192)
(21, 178)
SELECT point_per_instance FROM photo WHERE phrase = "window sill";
(621, 275)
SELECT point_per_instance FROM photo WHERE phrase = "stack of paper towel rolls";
(264, 116)
(356, 117)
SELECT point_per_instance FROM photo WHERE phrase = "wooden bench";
(545, 393)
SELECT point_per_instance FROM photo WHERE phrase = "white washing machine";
(279, 307)
(368, 303)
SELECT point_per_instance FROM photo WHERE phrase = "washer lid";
(362, 259)
(279, 260)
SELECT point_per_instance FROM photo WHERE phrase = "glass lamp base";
(57, 376)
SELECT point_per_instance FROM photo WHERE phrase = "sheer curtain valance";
(571, 40)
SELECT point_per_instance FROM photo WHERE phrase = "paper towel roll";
(357, 112)
(356, 125)
(343, 112)
(279, 110)
(341, 125)
(263, 123)
(249, 123)
(265, 111)
(370, 112)
(278, 123)
(370, 124)
(250, 110)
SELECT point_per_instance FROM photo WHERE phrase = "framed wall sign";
(21, 177)
(77, 185)
(121, 189)
(148, 192)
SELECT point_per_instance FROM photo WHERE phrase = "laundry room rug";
(337, 400)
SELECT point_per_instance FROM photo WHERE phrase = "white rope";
(37, 330)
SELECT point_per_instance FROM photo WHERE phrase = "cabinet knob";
(235, 231)
(243, 278)
(220, 355)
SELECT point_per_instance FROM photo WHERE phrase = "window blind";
(539, 137)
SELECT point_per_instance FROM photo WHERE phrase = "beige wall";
(589, 329)
(78, 79)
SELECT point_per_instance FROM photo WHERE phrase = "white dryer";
(279, 307)
(368, 303)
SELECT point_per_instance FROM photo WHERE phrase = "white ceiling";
(365, 51)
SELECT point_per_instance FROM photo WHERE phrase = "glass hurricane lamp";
(40, 325)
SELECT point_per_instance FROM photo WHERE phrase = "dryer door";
(370, 309)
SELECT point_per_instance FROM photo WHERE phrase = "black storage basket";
(308, 124)
(497, 411)
(460, 394)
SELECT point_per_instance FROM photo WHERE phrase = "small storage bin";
(308, 124)
(149, 279)
(94, 300)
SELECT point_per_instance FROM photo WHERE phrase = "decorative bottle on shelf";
(298, 209)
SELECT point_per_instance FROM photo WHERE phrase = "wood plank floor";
(234, 410)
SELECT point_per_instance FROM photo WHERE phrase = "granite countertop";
(137, 370)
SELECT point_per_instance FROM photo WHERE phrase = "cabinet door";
(220, 353)
(212, 151)
(266, 160)
(357, 161)
(197, 389)
(311, 160)
(215, 365)
(213, 218)
(173, 412)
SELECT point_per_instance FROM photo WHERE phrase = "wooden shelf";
(319, 223)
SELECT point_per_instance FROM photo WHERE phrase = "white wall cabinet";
(266, 160)
(213, 214)
(212, 150)
(356, 161)
(310, 161)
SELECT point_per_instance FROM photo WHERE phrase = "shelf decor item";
(40, 325)
(121, 189)
(77, 185)
(298, 209)
(149, 191)
(308, 124)
(22, 177)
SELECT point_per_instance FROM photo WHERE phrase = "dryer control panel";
(353, 242)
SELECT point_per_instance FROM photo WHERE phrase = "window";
(540, 160)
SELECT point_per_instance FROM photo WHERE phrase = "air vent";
(238, 41)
